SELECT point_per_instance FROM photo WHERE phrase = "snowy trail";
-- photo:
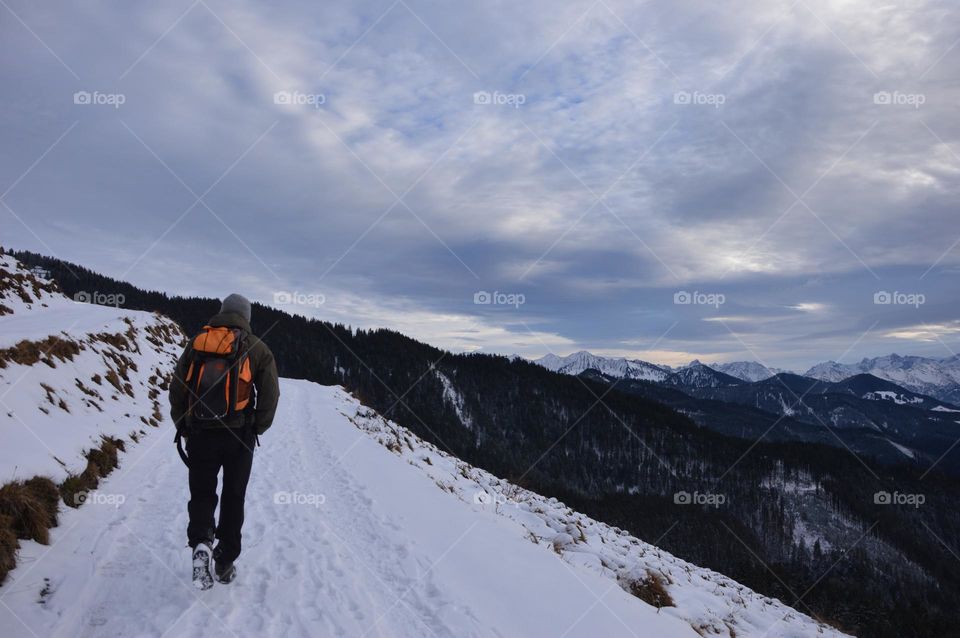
(369, 546)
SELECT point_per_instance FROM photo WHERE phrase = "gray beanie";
(237, 304)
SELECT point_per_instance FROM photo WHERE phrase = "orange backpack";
(219, 378)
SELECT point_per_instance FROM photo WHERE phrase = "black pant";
(208, 451)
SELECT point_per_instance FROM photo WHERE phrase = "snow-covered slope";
(710, 602)
(72, 372)
(614, 366)
(938, 378)
(357, 528)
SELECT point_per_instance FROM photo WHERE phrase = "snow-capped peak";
(614, 366)
(746, 370)
(698, 375)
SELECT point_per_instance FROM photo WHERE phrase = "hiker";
(223, 396)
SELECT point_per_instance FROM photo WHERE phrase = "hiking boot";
(202, 574)
(225, 571)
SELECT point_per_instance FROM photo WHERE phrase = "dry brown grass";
(118, 341)
(29, 352)
(114, 379)
(29, 507)
(92, 398)
(165, 333)
(105, 457)
(100, 462)
(46, 495)
(652, 590)
(8, 547)
(74, 487)
(53, 398)
(90, 392)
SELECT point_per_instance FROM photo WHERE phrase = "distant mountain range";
(937, 378)
(875, 406)
(862, 412)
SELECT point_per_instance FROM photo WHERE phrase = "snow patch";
(454, 399)
(902, 449)
(890, 395)
(943, 408)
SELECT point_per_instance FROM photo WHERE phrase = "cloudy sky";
(665, 180)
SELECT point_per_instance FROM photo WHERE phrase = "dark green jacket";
(265, 379)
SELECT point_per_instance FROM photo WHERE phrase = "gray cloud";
(588, 188)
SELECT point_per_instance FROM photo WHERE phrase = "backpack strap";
(178, 439)
(240, 366)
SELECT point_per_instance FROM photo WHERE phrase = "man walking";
(223, 395)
